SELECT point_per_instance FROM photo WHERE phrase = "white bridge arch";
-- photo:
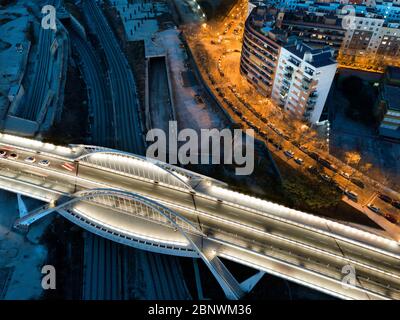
(138, 166)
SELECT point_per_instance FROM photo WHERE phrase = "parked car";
(3, 153)
(391, 218)
(314, 155)
(326, 177)
(313, 169)
(345, 174)
(289, 154)
(358, 183)
(351, 194)
(396, 204)
(385, 198)
(299, 161)
(373, 208)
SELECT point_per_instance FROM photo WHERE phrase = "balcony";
(309, 72)
(296, 63)
(288, 76)
(289, 69)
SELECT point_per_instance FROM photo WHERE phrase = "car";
(396, 204)
(289, 154)
(345, 174)
(30, 159)
(314, 155)
(3, 153)
(391, 218)
(299, 161)
(358, 183)
(373, 208)
(44, 163)
(304, 149)
(325, 163)
(385, 198)
(351, 194)
(296, 144)
(338, 186)
(313, 169)
(326, 177)
(13, 156)
(333, 168)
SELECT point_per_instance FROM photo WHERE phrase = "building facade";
(296, 75)
(261, 48)
(303, 79)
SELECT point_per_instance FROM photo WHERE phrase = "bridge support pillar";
(249, 284)
(23, 211)
(23, 223)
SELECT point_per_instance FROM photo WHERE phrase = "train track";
(127, 126)
(40, 84)
(100, 104)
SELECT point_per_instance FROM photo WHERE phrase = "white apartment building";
(303, 79)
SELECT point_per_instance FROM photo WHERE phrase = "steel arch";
(168, 169)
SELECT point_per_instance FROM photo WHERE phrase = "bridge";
(162, 208)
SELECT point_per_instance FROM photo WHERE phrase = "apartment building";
(261, 47)
(303, 79)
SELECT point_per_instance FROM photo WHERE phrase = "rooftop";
(317, 57)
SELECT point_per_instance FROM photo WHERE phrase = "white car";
(30, 159)
(44, 163)
(373, 208)
(3, 153)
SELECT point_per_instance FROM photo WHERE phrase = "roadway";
(241, 229)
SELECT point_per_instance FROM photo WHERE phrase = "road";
(243, 227)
